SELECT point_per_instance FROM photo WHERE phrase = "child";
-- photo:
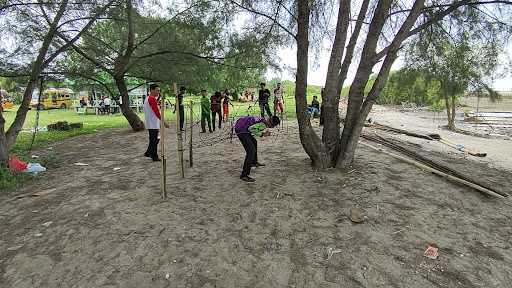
(278, 99)
(226, 101)
(246, 128)
(216, 109)
(205, 112)
(152, 121)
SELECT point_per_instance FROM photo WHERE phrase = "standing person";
(182, 108)
(226, 101)
(322, 107)
(263, 96)
(246, 128)
(278, 99)
(216, 109)
(205, 112)
(152, 121)
(106, 105)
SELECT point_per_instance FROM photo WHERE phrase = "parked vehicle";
(52, 98)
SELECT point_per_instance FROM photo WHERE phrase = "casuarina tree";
(366, 39)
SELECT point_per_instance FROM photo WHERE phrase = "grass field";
(94, 123)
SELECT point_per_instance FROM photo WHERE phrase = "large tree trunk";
(8, 138)
(120, 70)
(4, 151)
(309, 139)
(330, 99)
(132, 118)
(358, 110)
(450, 110)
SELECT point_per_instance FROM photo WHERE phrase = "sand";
(97, 226)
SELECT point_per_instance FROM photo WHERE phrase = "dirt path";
(98, 227)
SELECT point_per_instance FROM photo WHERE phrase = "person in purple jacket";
(246, 128)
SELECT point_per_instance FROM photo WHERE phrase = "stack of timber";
(498, 119)
(459, 147)
(426, 164)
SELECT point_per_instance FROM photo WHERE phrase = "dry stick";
(191, 127)
(179, 134)
(393, 145)
(435, 171)
(163, 177)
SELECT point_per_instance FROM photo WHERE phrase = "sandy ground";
(498, 149)
(103, 227)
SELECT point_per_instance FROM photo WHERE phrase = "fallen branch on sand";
(437, 137)
(429, 165)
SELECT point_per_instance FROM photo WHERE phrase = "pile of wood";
(429, 165)
(64, 126)
(437, 137)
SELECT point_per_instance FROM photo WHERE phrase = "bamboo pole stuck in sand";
(179, 135)
(163, 176)
(191, 158)
(435, 171)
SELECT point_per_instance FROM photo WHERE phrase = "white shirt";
(151, 120)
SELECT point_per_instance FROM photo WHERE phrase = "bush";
(10, 180)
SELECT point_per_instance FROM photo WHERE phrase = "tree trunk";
(4, 151)
(453, 113)
(448, 104)
(132, 118)
(309, 139)
(330, 99)
(9, 137)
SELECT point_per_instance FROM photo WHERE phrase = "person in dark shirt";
(264, 95)
(314, 108)
(247, 128)
(182, 108)
(216, 109)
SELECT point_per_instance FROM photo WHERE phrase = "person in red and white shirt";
(152, 121)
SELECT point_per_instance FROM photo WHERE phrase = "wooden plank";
(435, 171)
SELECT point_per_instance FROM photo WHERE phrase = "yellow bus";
(53, 98)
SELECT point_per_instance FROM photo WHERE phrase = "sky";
(318, 70)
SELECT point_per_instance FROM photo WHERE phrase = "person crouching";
(247, 128)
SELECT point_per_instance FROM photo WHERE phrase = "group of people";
(104, 104)
(247, 128)
(263, 100)
(215, 106)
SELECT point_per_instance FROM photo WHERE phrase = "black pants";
(251, 152)
(205, 118)
(214, 114)
(265, 107)
(182, 117)
(153, 144)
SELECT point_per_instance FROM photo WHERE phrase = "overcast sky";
(318, 70)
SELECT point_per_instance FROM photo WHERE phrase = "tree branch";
(265, 16)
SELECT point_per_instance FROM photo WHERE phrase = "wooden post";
(163, 177)
(191, 127)
(179, 134)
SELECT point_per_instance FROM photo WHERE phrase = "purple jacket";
(242, 125)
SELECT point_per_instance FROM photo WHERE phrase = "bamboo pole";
(163, 177)
(179, 134)
(435, 171)
(190, 153)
